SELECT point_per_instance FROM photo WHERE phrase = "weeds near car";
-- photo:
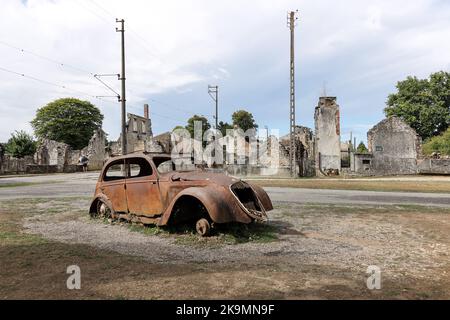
(229, 234)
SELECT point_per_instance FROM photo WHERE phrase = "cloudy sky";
(351, 49)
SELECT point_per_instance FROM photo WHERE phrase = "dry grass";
(366, 185)
(39, 265)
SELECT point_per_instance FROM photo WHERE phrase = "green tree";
(67, 120)
(440, 144)
(244, 120)
(362, 148)
(178, 127)
(20, 144)
(191, 122)
(223, 127)
(423, 103)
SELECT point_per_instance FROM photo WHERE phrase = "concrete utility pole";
(292, 159)
(213, 91)
(122, 97)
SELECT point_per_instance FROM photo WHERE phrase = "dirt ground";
(306, 251)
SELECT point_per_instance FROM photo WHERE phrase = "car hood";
(217, 178)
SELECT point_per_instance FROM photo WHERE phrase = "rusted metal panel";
(149, 196)
(221, 207)
(143, 196)
(263, 197)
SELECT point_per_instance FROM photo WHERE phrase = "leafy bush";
(20, 145)
(362, 148)
(440, 144)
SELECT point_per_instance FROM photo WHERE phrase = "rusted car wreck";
(146, 188)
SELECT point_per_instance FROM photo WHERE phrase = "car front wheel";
(203, 227)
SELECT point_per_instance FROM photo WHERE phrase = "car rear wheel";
(103, 210)
(203, 227)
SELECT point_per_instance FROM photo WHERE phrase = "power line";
(97, 76)
(177, 108)
(159, 115)
(50, 83)
(143, 42)
(103, 9)
(100, 98)
(83, 93)
(59, 63)
(62, 64)
(94, 13)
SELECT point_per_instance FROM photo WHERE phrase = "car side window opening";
(115, 171)
(139, 167)
(164, 164)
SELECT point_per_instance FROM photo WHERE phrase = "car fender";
(262, 196)
(104, 198)
(218, 201)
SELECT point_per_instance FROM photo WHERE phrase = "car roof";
(138, 155)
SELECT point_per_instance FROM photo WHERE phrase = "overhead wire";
(48, 82)
(83, 70)
(62, 64)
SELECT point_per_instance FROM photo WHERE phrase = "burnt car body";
(146, 188)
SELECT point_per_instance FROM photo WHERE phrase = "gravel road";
(79, 184)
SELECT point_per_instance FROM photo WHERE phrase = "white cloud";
(177, 46)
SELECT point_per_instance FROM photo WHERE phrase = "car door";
(142, 189)
(113, 185)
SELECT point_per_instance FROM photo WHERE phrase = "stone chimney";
(327, 101)
(146, 114)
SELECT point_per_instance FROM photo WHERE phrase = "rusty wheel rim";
(103, 211)
(202, 226)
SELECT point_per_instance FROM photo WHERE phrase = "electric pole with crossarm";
(214, 93)
(122, 96)
(292, 17)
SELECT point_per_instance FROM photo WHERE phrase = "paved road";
(357, 197)
(83, 184)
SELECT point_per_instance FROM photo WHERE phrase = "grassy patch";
(229, 234)
(255, 232)
(366, 185)
(17, 184)
(26, 184)
(17, 238)
(151, 230)
(35, 206)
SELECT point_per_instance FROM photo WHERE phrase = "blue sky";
(356, 50)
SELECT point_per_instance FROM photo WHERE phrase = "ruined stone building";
(139, 135)
(53, 156)
(327, 137)
(304, 142)
(394, 148)
(318, 153)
